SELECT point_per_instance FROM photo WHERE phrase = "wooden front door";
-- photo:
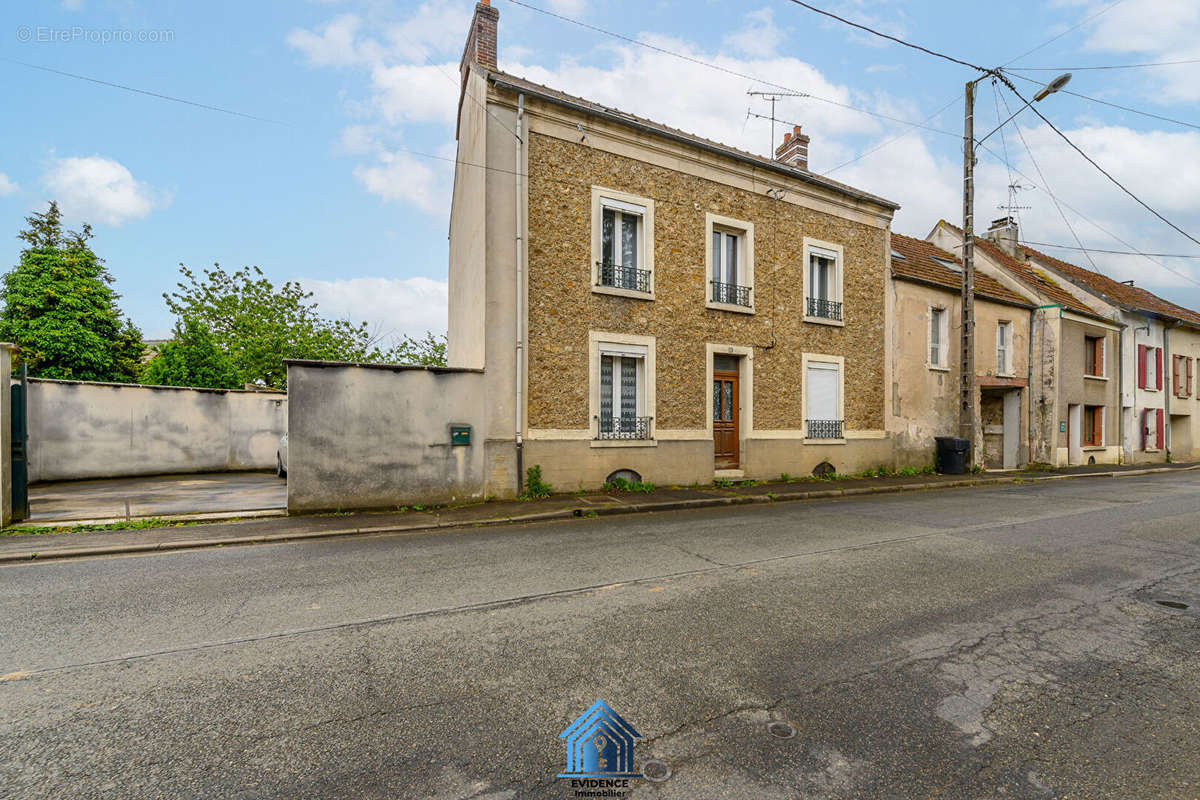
(725, 419)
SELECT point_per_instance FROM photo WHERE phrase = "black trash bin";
(952, 455)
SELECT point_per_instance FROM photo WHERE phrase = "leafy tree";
(428, 351)
(60, 309)
(258, 325)
(191, 358)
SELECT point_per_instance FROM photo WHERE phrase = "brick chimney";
(794, 150)
(481, 40)
(1004, 233)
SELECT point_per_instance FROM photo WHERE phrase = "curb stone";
(566, 513)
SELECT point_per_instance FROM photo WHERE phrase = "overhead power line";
(1111, 66)
(889, 37)
(1074, 27)
(1015, 74)
(1101, 169)
(134, 89)
(1110, 252)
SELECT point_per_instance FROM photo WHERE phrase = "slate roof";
(1117, 293)
(519, 84)
(918, 264)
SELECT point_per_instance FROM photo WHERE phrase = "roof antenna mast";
(775, 97)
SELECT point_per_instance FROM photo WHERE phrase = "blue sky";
(324, 187)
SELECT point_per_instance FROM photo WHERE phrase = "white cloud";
(96, 189)
(7, 185)
(416, 93)
(570, 8)
(437, 27)
(397, 176)
(759, 35)
(390, 306)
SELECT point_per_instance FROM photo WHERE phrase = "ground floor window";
(622, 386)
(823, 399)
(1093, 426)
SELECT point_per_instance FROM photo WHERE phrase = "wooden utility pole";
(966, 417)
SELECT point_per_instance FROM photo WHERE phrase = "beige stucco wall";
(1076, 389)
(1185, 411)
(103, 430)
(466, 321)
(563, 308)
(925, 399)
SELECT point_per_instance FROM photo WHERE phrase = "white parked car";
(281, 457)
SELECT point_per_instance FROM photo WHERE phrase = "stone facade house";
(1074, 396)
(645, 301)
(926, 326)
(1158, 366)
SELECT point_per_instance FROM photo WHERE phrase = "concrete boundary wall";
(83, 430)
(363, 436)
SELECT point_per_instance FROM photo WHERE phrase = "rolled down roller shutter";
(822, 400)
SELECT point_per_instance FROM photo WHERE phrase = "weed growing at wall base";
(535, 487)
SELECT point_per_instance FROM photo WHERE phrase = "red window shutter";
(1161, 443)
(1158, 368)
(1141, 366)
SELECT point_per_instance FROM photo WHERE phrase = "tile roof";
(918, 264)
(1035, 279)
(525, 85)
(1121, 294)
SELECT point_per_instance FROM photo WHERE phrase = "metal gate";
(19, 455)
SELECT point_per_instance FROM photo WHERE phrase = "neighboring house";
(1075, 402)
(926, 354)
(1158, 360)
(648, 302)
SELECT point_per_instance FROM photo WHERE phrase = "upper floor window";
(1149, 367)
(823, 282)
(730, 247)
(1004, 348)
(938, 337)
(622, 244)
(1093, 356)
(1182, 376)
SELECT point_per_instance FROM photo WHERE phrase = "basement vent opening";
(1091, 459)
(627, 475)
(823, 469)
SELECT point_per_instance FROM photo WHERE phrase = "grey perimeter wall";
(371, 436)
(106, 430)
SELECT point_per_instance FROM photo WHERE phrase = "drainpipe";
(1167, 390)
(519, 412)
(1029, 393)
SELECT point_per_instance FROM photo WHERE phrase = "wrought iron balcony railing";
(624, 428)
(824, 429)
(824, 309)
(731, 293)
(618, 277)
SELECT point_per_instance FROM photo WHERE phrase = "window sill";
(618, 292)
(835, 323)
(1151, 450)
(601, 443)
(729, 307)
(1095, 377)
(1091, 448)
(936, 368)
(824, 441)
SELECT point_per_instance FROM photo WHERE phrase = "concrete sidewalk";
(27, 546)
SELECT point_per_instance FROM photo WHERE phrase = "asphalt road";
(971, 643)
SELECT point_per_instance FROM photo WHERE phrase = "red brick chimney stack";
(481, 41)
(794, 150)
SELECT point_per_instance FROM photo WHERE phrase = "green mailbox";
(460, 435)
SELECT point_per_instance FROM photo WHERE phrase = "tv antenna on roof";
(775, 97)
(1011, 206)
